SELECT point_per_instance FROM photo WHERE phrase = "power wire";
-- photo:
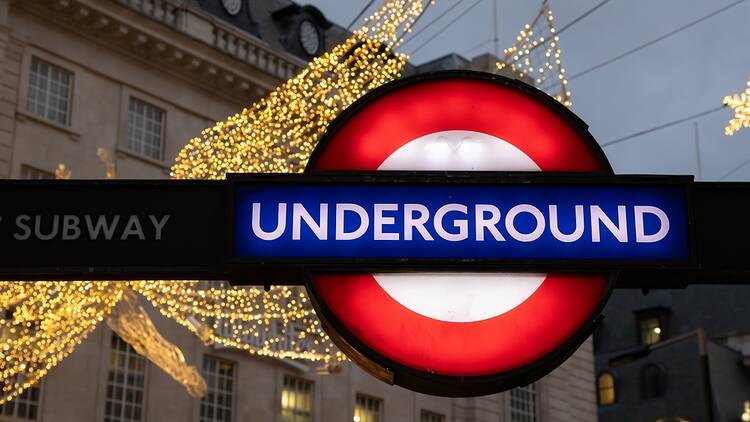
(662, 126)
(571, 23)
(578, 19)
(362, 12)
(431, 22)
(414, 22)
(440, 32)
(568, 25)
(656, 40)
(481, 44)
(735, 169)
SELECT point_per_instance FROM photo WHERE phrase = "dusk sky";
(682, 75)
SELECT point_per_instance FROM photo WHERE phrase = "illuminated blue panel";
(618, 223)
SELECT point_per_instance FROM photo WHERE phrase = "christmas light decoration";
(62, 172)
(108, 163)
(278, 133)
(44, 321)
(535, 57)
(278, 323)
(740, 103)
(131, 322)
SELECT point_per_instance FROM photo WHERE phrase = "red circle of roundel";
(564, 303)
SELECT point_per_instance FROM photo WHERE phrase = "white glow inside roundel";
(459, 297)
(459, 150)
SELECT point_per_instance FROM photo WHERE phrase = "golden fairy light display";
(535, 57)
(278, 133)
(42, 322)
(740, 103)
(62, 172)
(278, 323)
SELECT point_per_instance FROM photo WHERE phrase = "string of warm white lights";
(278, 133)
(43, 322)
(535, 57)
(278, 323)
(740, 103)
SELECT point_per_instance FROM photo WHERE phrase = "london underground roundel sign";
(459, 333)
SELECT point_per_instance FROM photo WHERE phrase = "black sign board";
(71, 229)
(185, 229)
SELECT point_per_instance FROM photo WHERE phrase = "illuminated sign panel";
(477, 327)
(460, 221)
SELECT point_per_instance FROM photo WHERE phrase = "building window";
(145, 129)
(216, 406)
(606, 387)
(49, 92)
(650, 330)
(427, 416)
(25, 406)
(296, 400)
(126, 383)
(652, 325)
(524, 406)
(31, 173)
(367, 409)
(653, 380)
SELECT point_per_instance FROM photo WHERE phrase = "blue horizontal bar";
(503, 222)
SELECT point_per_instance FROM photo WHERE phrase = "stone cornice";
(182, 39)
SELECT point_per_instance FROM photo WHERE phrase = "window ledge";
(124, 152)
(22, 116)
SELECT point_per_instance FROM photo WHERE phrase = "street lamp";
(644, 350)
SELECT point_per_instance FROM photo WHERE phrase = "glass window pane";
(524, 406)
(650, 330)
(428, 416)
(296, 400)
(48, 94)
(126, 383)
(367, 409)
(24, 406)
(216, 406)
(606, 386)
(144, 133)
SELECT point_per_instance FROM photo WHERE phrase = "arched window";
(653, 380)
(606, 387)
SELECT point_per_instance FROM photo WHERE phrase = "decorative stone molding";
(187, 41)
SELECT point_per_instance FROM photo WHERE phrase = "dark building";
(674, 355)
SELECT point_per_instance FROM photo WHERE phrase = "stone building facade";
(138, 79)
